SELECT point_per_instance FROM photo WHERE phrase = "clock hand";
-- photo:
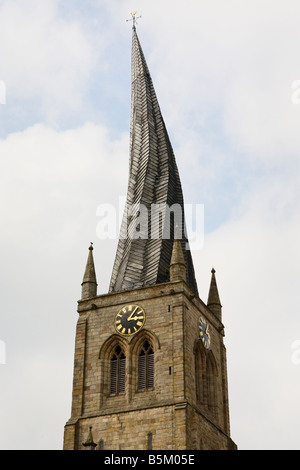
(136, 318)
(130, 316)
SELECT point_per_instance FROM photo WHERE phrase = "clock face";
(204, 333)
(129, 320)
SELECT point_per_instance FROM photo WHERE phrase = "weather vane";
(134, 18)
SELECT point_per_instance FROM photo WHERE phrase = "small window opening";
(101, 445)
(146, 368)
(117, 372)
(150, 441)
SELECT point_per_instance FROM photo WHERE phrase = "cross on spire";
(134, 18)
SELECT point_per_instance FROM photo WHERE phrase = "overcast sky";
(226, 74)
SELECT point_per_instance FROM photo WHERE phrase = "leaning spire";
(154, 196)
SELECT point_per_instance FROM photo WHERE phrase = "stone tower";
(150, 362)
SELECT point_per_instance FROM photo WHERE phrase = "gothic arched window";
(146, 367)
(206, 378)
(211, 383)
(200, 374)
(117, 372)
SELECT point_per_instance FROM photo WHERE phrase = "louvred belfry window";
(117, 372)
(146, 368)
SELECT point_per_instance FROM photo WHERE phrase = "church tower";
(150, 362)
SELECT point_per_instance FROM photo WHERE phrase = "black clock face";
(129, 320)
(204, 333)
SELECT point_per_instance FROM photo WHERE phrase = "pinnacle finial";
(89, 444)
(177, 264)
(213, 301)
(89, 283)
(134, 18)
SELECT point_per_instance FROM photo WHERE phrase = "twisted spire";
(146, 241)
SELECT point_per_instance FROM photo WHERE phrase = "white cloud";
(46, 60)
(45, 170)
(51, 185)
(257, 263)
(35, 393)
(223, 76)
(228, 66)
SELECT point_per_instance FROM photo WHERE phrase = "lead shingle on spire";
(153, 181)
